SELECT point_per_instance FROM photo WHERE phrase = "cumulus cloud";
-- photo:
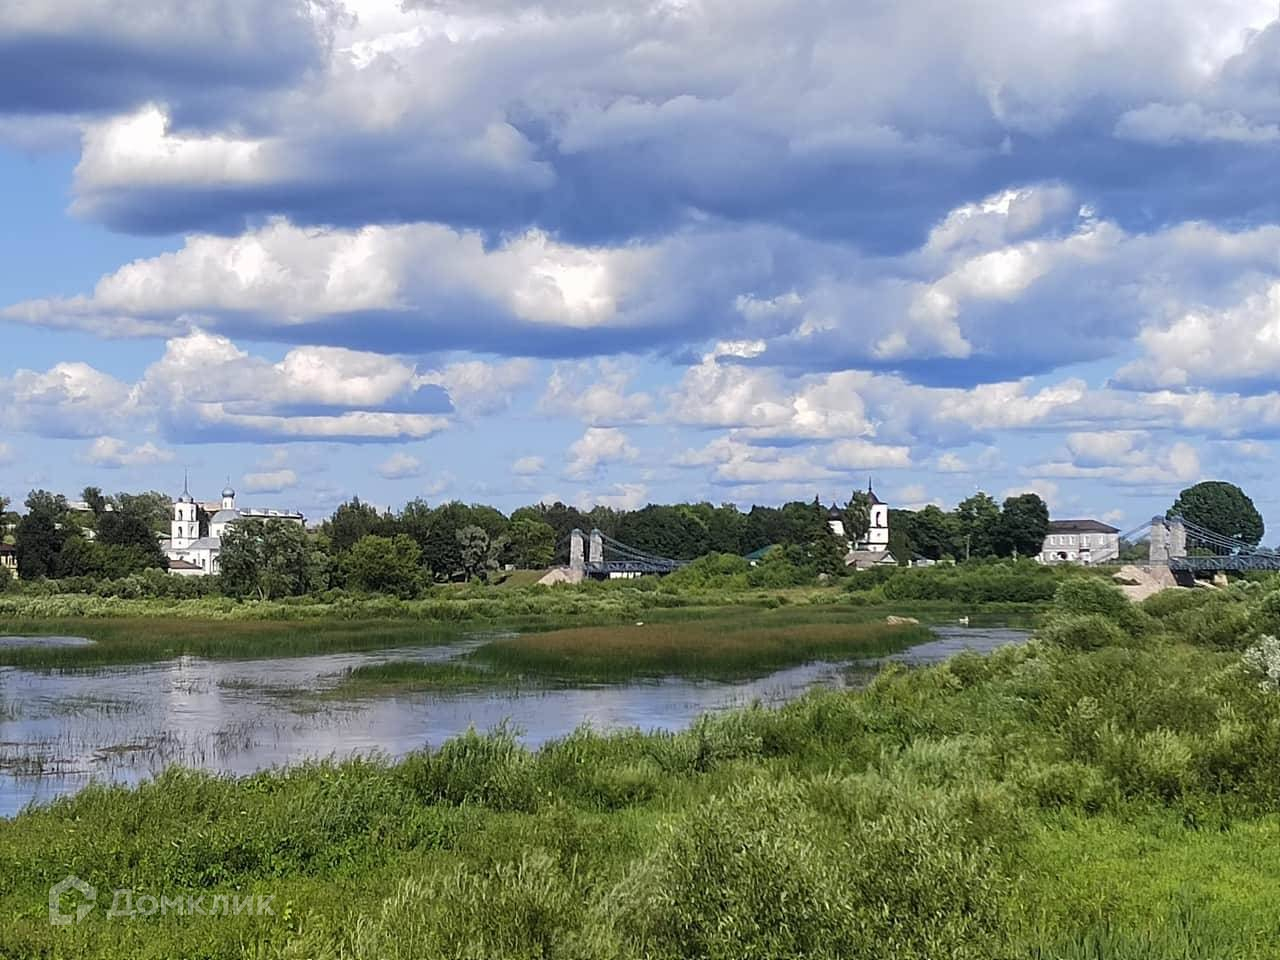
(596, 448)
(477, 388)
(1126, 458)
(597, 393)
(81, 56)
(69, 400)
(399, 466)
(538, 112)
(113, 453)
(528, 466)
(270, 481)
(621, 496)
(1238, 345)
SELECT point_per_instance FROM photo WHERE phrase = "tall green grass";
(1062, 799)
(720, 649)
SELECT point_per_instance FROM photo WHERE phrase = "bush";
(1175, 600)
(756, 874)
(492, 770)
(1087, 631)
(1089, 596)
(515, 909)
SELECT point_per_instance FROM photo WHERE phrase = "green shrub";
(516, 909)
(1175, 600)
(1086, 631)
(492, 770)
(758, 874)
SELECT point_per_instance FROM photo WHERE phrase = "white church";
(873, 549)
(194, 546)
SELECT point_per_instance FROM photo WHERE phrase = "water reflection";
(58, 730)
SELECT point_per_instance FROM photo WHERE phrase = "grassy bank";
(143, 631)
(145, 639)
(720, 649)
(1110, 791)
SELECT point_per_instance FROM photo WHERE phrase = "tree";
(932, 532)
(350, 522)
(41, 534)
(478, 553)
(1223, 508)
(976, 521)
(441, 552)
(1024, 522)
(385, 565)
(264, 559)
(96, 501)
(857, 516)
(130, 528)
(531, 544)
(153, 507)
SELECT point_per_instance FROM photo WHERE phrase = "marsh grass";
(413, 675)
(148, 639)
(1050, 801)
(725, 649)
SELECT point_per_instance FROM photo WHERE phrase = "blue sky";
(621, 252)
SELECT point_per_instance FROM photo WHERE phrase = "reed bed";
(714, 650)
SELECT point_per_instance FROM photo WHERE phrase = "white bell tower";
(185, 526)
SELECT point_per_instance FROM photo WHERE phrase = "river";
(61, 729)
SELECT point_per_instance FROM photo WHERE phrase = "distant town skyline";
(653, 251)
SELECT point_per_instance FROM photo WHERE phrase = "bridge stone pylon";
(577, 559)
(596, 552)
(1168, 540)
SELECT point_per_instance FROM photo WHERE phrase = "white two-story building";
(1080, 541)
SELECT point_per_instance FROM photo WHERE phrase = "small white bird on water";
(963, 621)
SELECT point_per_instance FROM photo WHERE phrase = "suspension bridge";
(1188, 548)
(601, 557)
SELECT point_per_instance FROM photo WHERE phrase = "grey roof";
(225, 516)
(183, 565)
(204, 543)
(835, 513)
(1081, 526)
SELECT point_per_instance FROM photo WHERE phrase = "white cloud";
(735, 462)
(1239, 343)
(113, 453)
(1163, 124)
(69, 400)
(864, 455)
(399, 466)
(596, 448)
(597, 393)
(273, 481)
(528, 466)
(1046, 490)
(1124, 458)
(477, 388)
(621, 496)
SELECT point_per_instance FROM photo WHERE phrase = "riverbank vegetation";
(1109, 790)
(720, 649)
(715, 589)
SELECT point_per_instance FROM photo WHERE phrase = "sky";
(628, 251)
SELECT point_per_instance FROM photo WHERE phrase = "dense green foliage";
(1112, 795)
(1223, 508)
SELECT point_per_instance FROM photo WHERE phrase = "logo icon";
(87, 892)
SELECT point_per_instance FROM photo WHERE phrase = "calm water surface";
(59, 730)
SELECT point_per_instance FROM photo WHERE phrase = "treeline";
(114, 537)
(107, 546)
